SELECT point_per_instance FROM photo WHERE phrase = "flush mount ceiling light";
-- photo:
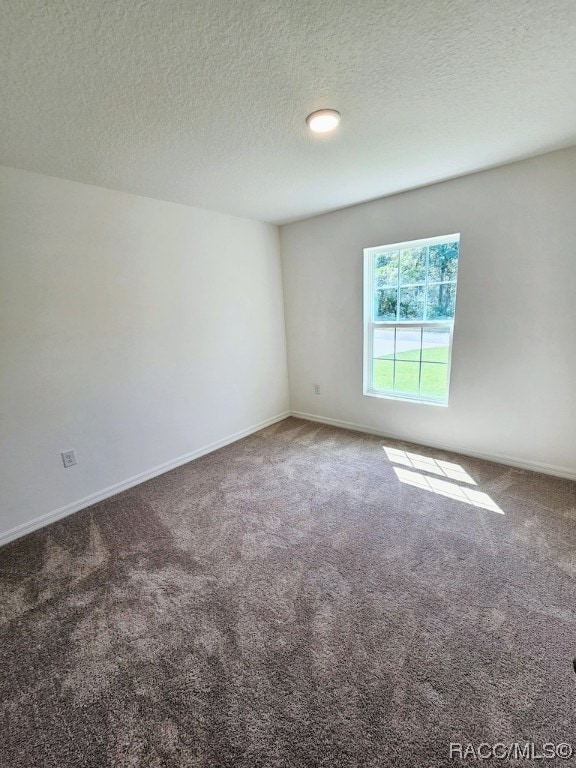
(323, 121)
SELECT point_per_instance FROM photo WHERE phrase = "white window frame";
(370, 324)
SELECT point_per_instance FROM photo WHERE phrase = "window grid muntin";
(448, 325)
(414, 246)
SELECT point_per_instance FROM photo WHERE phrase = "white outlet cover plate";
(68, 458)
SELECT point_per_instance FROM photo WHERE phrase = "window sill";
(413, 400)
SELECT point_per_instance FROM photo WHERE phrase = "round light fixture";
(323, 121)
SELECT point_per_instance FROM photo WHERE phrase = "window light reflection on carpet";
(428, 464)
(442, 486)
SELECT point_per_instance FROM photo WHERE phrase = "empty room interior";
(287, 383)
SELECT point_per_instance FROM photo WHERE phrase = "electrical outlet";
(316, 389)
(68, 458)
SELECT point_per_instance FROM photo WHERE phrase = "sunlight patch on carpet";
(450, 490)
(428, 464)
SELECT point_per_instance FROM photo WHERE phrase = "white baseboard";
(498, 458)
(112, 490)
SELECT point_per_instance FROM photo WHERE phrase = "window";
(409, 304)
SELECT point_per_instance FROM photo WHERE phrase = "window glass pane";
(407, 379)
(386, 269)
(413, 265)
(408, 342)
(440, 302)
(383, 343)
(435, 345)
(443, 264)
(411, 303)
(434, 380)
(386, 304)
(383, 375)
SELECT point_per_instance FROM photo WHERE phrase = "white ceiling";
(203, 101)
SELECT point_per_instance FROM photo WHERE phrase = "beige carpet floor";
(307, 596)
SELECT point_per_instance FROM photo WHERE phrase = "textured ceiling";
(203, 101)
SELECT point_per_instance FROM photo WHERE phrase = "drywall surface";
(132, 331)
(513, 384)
